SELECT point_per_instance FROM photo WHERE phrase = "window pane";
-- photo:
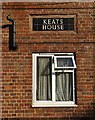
(71, 21)
(53, 24)
(66, 27)
(65, 21)
(64, 62)
(71, 27)
(44, 83)
(64, 86)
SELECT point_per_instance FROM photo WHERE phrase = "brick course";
(17, 65)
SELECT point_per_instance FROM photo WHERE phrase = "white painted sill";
(53, 104)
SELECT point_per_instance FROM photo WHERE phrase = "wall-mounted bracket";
(12, 34)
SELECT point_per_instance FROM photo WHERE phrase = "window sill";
(54, 104)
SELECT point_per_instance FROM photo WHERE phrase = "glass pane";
(35, 21)
(65, 27)
(64, 86)
(70, 27)
(64, 62)
(71, 21)
(65, 20)
(44, 82)
(53, 24)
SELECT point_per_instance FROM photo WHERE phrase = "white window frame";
(53, 103)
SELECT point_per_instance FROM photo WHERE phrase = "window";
(64, 62)
(53, 80)
(49, 24)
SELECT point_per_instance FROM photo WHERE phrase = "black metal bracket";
(12, 34)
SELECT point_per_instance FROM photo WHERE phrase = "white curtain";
(64, 87)
(44, 82)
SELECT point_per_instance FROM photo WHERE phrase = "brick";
(17, 65)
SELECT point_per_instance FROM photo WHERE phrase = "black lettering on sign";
(53, 24)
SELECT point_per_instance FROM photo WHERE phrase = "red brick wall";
(17, 65)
